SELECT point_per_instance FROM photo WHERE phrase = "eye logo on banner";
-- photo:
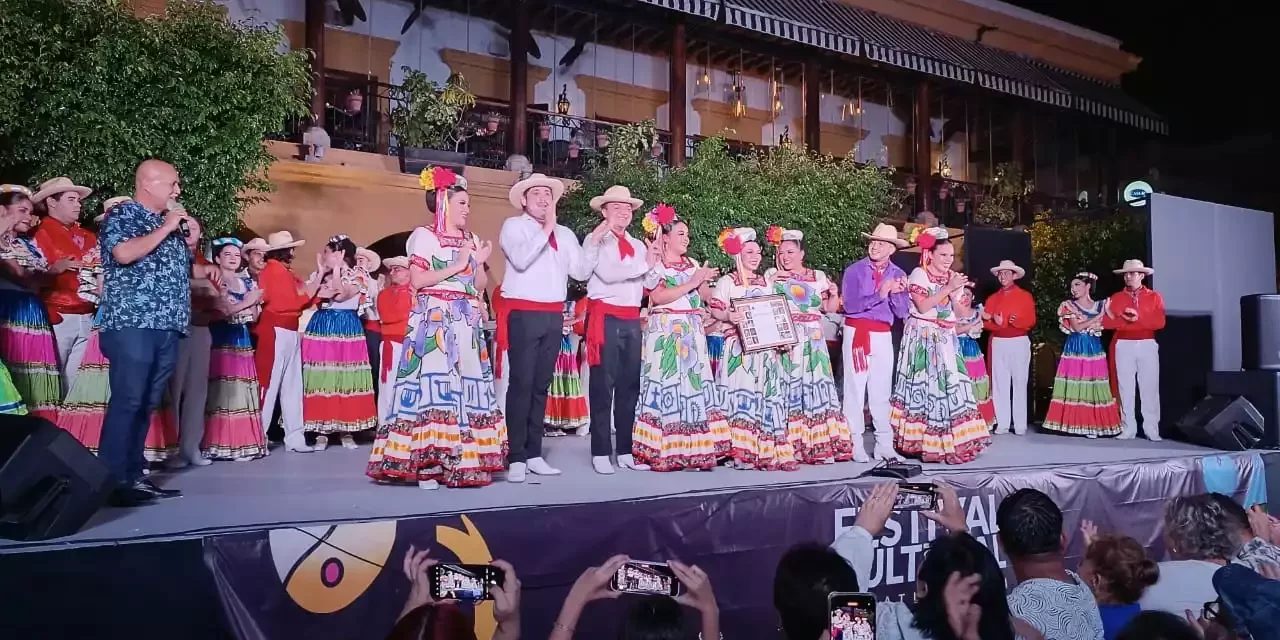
(324, 569)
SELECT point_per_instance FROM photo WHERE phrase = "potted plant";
(427, 120)
(491, 123)
(544, 131)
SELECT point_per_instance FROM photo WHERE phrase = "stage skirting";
(345, 580)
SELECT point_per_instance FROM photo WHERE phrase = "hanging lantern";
(563, 104)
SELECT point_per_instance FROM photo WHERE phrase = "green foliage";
(87, 90)
(998, 208)
(832, 201)
(1061, 248)
(427, 115)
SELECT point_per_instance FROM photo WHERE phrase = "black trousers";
(615, 386)
(534, 337)
(373, 342)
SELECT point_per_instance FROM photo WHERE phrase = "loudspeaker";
(1262, 388)
(50, 485)
(1222, 422)
(1260, 332)
(985, 247)
(1186, 359)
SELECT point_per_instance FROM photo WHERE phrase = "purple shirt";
(861, 300)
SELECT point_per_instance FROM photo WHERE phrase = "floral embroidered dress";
(755, 389)
(444, 423)
(975, 365)
(26, 335)
(816, 425)
(680, 423)
(1082, 403)
(933, 412)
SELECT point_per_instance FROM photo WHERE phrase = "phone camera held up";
(852, 615)
(916, 496)
(649, 578)
(468, 582)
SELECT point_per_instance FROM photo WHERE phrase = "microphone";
(183, 227)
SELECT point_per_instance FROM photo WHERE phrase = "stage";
(304, 545)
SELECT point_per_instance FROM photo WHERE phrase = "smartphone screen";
(470, 582)
(853, 616)
(647, 578)
(916, 496)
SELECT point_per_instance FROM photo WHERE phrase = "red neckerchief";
(625, 250)
(877, 274)
(551, 240)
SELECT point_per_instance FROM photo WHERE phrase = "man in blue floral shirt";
(146, 306)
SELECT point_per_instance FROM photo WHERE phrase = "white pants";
(873, 385)
(1010, 367)
(1139, 359)
(387, 381)
(286, 383)
(190, 387)
(72, 334)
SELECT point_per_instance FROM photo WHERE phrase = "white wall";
(437, 30)
(1207, 256)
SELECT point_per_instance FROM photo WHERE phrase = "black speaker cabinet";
(1222, 422)
(1260, 332)
(1186, 359)
(1262, 389)
(50, 485)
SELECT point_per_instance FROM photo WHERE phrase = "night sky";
(1205, 65)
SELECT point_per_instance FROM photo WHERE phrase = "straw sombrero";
(535, 180)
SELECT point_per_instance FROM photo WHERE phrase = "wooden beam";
(922, 166)
(677, 104)
(812, 106)
(518, 138)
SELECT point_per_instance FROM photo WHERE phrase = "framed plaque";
(767, 324)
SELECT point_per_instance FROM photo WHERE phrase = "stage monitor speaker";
(985, 247)
(1260, 332)
(1186, 359)
(1222, 422)
(1262, 388)
(50, 485)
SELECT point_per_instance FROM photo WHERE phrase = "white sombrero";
(256, 244)
(59, 185)
(110, 204)
(397, 261)
(886, 233)
(535, 180)
(1134, 266)
(283, 240)
(1008, 265)
(369, 255)
(616, 193)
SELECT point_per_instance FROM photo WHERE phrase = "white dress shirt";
(535, 271)
(614, 280)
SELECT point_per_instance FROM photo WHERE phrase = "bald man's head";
(155, 184)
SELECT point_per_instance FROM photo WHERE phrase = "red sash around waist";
(596, 313)
(860, 346)
(269, 320)
(504, 310)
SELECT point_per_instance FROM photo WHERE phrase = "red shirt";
(1018, 308)
(394, 304)
(1150, 307)
(282, 303)
(58, 241)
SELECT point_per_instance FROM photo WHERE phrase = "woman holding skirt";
(933, 411)
(1082, 403)
(816, 425)
(680, 423)
(446, 427)
(567, 397)
(26, 334)
(337, 381)
(233, 420)
(968, 331)
(754, 385)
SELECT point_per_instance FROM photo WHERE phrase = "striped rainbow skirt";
(337, 381)
(10, 400)
(1082, 403)
(566, 399)
(86, 405)
(976, 366)
(233, 420)
(27, 348)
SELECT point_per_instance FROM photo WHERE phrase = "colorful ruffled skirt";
(932, 410)
(816, 425)
(680, 423)
(715, 351)
(86, 405)
(975, 365)
(1082, 403)
(337, 381)
(27, 347)
(444, 424)
(566, 399)
(233, 419)
(755, 390)
(10, 400)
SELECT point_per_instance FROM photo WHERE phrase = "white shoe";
(861, 456)
(582, 431)
(177, 462)
(601, 465)
(429, 485)
(1126, 435)
(322, 443)
(299, 447)
(627, 461)
(516, 472)
(1092, 436)
(198, 460)
(886, 452)
(1153, 437)
(1000, 431)
(243, 459)
(349, 442)
(1019, 432)
(538, 466)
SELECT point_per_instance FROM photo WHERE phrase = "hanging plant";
(427, 115)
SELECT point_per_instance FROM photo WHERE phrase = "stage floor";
(298, 489)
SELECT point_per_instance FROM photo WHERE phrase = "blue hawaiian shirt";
(155, 291)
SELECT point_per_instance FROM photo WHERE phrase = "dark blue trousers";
(142, 361)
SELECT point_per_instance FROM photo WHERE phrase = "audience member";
(593, 585)
(425, 618)
(1197, 537)
(1158, 625)
(1052, 599)
(1118, 571)
(653, 618)
(806, 575)
(1248, 601)
(1252, 528)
